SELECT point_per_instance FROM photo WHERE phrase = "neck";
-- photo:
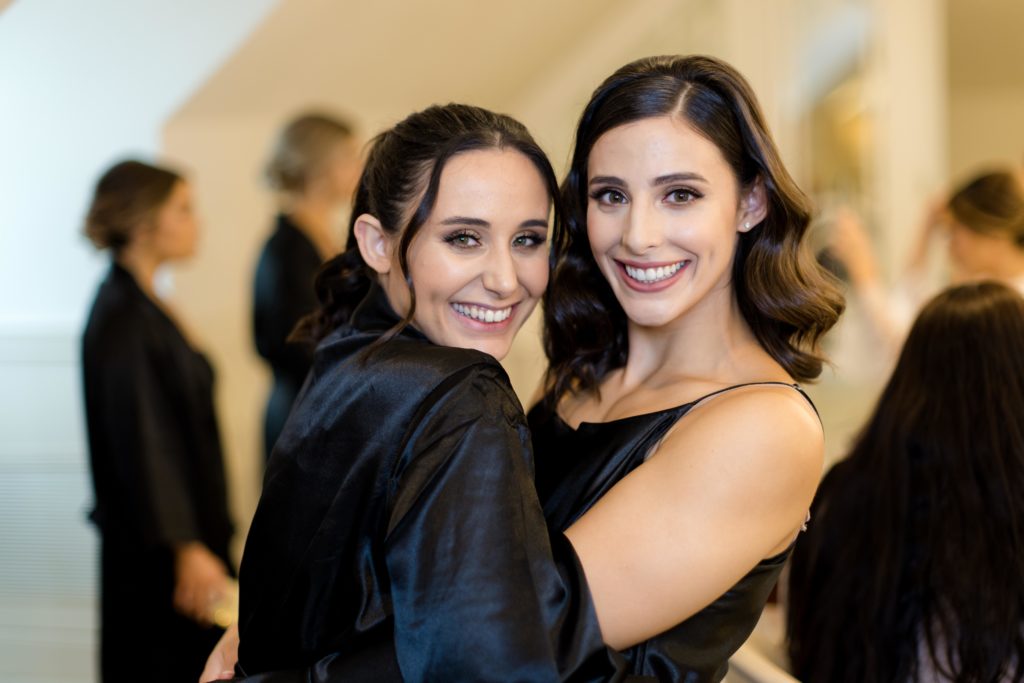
(1008, 264)
(142, 265)
(711, 342)
(313, 215)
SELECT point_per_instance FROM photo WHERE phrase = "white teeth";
(654, 274)
(484, 315)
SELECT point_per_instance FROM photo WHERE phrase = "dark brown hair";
(405, 163)
(301, 146)
(786, 298)
(991, 203)
(127, 195)
(916, 543)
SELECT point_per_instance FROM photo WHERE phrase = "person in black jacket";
(399, 536)
(157, 466)
(313, 169)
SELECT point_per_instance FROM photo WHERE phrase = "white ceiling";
(394, 55)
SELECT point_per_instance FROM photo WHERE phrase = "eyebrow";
(660, 180)
(481, 223)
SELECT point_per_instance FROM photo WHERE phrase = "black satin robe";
(399, 536)
(282, 294)
(575, 468)
(158, 474)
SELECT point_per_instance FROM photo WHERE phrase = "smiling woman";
(479, 265)
(399, 535)
(674, 445)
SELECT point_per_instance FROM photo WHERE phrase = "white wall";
(84, 84)
(81, 84)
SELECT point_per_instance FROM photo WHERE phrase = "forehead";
(490, 178)
(654, 147)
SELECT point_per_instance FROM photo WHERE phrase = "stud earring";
(747, 225)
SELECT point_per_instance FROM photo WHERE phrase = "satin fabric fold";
(399, 536)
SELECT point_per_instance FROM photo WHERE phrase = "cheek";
(533, 273)
(604, 231)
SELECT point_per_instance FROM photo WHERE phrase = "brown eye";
(609, 196)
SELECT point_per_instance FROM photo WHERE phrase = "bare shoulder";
(757, 429)
(775, 415)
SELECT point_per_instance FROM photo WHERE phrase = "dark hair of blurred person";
(987, 227)
(912, 568)
(313, 169)
(157, 465)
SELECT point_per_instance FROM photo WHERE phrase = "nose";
(500, 276)
(643, 232)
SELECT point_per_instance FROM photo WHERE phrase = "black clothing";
(283, 294)
(158, 474)
(399, 536)
(575, 468)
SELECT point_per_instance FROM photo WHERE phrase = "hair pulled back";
(126, 196)
(301, 147)
(991, 203)
(786, 298)
(399, 185)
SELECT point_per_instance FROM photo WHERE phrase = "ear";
(753, 206)
(374, 243)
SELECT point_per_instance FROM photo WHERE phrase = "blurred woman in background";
(983, 220)
(313, 169)
(157, 466)
(912, 568)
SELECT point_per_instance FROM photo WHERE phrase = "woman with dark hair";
(673, 443)
(398, 535)
(313, 170)
(912, 571)
(157, 466)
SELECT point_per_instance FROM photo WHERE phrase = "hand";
(220, 665)
(201, 580)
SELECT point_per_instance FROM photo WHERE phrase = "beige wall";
(986, 128)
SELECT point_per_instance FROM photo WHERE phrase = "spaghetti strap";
(756, 384)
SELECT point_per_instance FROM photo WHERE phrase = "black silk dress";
(158, 474)
(282, 294)
(399, 536)
(575, 468)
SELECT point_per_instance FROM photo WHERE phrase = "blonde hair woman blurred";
(313, 169)
(982, 221)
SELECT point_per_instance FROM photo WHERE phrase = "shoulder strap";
(797, 387)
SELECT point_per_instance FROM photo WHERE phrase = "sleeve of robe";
(283, 293)
(146, 442)
(478, 594)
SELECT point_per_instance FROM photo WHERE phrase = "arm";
(477, 593)
(711, 503)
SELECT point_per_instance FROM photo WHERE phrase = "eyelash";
(454, 237)
(603, 195)
(691, 194)
(458, 239)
